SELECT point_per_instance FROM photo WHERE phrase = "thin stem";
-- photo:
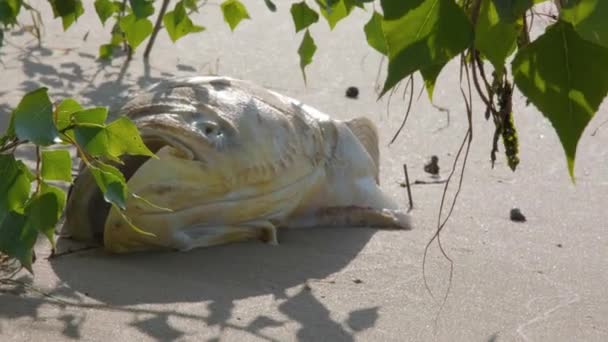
(121, 14)
(38, 178)
(410, 82)
(157, 26)
(13, 145)
(409, 188)
(481, 94)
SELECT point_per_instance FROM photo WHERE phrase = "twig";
(437, 181)
(410, 82)
(377, 82)
(38, 177)
(157, 26)
(486, 101)
(126, 45)
(409, 191)
(14, 144)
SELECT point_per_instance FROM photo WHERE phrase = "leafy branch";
(31, 204)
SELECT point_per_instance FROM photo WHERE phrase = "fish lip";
(177, 134)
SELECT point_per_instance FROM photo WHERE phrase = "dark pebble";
(352, 92)
(559, 245)
(517, 216)
(357, 281)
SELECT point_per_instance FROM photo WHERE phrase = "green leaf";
(105, 9)
(271, 6)
(10, 130)
(191, 5)
(106, 51)
(1, 38)
(303, 16)
(496, 38)
(42, 214)
(374, 34)
(68, 10)
(334, 10)
(306, 51)
(92, 139)
(136, 30)
(58, 193)
(178, 24)
(124, 138)
(422, 33)
(590, 20)
(429, 75)
(9, 10)
(63, 113)
(566, 78)
(234, 11)
(62, 8)
(117, 35)
(34, 119)
(112, 141)
(58, 197)
(111, 183)
(92, 116)
(512, 10)
(14, 185)
(56, 165)
(17, 239)
(142, 8)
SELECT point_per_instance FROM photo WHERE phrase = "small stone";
(559, 245)
(517, 216)
(432, 166)
(357, 281)
(352, 92)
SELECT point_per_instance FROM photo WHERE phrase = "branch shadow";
(220, 276)
(82, 76)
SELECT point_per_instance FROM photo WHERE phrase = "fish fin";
(367, 133)
(205, 236)
(356, 217)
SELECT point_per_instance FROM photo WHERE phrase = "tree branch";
(157, 26)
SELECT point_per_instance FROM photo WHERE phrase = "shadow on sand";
(222, 275)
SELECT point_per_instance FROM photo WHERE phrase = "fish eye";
(209, 128)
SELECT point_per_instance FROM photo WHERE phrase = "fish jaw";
(208, 207)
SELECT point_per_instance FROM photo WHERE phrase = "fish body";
(235, 162)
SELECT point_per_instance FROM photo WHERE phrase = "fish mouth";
(205, 210)
(87, 210)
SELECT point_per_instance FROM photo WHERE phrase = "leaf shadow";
(218, 277)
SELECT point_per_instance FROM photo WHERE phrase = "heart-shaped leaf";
(566, 78)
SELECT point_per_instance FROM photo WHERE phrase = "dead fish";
(235, 162)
